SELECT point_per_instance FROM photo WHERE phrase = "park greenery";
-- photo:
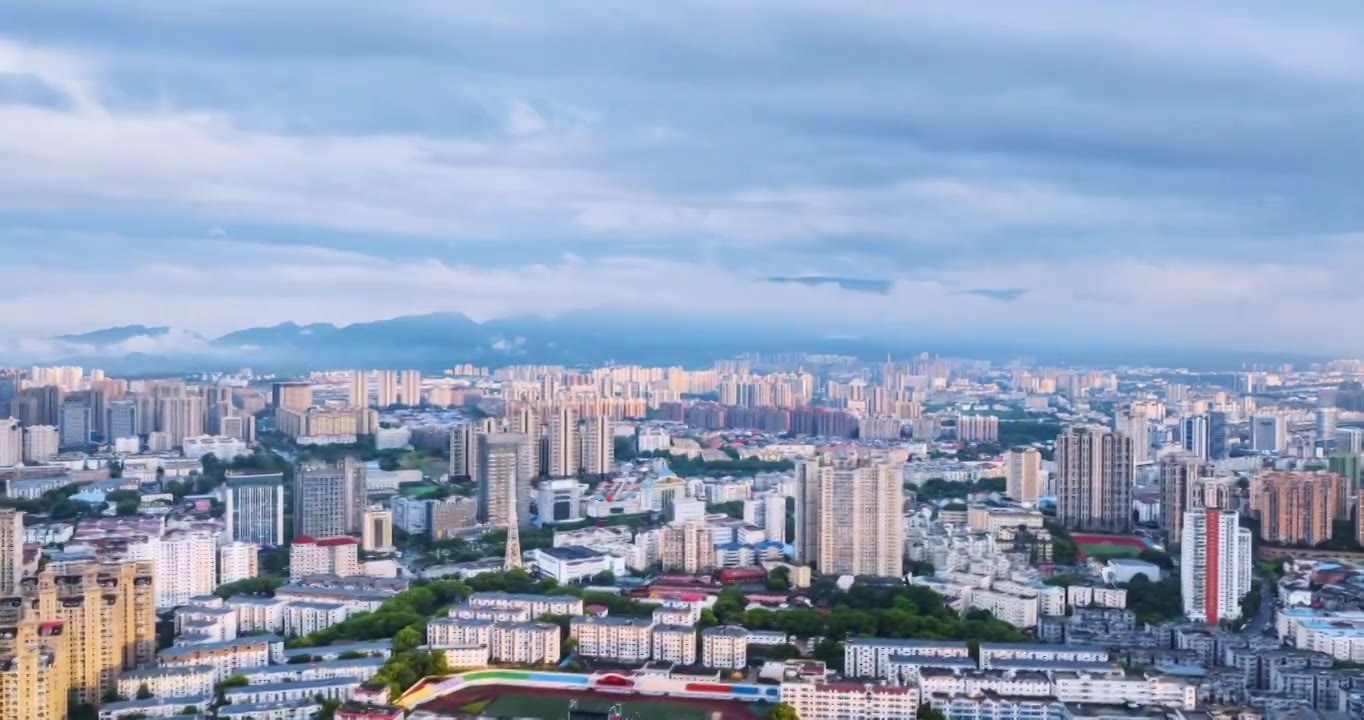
(939, 489)
(686, 466)
(403, 618)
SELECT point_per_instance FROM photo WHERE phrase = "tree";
(782, 711)
(926, 712)
(189, 710)
(605, 577)
(831, 654)
(407, 639)
(143, 692)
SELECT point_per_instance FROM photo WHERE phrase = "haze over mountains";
(438, 340)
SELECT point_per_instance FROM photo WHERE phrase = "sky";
(1052, 172)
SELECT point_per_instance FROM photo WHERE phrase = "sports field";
(553, 704)
(1108, 546)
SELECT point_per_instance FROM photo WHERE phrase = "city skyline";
(925, 170)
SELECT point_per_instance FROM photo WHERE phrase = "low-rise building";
(620, 639)
(183, 681)
(675, 644)
(724, 647)
(850, 700)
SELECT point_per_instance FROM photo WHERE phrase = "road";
(1266, 611)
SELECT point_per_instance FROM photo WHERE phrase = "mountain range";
(436, 341)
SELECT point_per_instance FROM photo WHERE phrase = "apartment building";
(724, 647)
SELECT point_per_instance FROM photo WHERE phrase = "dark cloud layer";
(1044, 156)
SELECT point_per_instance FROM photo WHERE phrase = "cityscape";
(794, 534)
(693, 360)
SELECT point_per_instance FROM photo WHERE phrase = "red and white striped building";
(1215, 565)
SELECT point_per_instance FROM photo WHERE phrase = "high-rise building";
(323, 556)
(255, 508)
(599, 446)
(385, 388)
(1326, 426)
(1295, 508)
(11, 551)
(186, 567)
(1219, 435)
(1023, 474)
(329, 500)
(1195, 434)
(182, 417)
(39, 405)
(1349, 441)
(564, 443)
(120, 420)
(849, 514)
(1350, 467)
(1215, 565)
(292, 395)
(525, 421)
(1134, 422)
(1094, 478)
(1268, 433)
(33, 667)
(499, 484)
(411, 388)
(41, 443)
(1179, 473)
(464, 447)
(11, 443)
(978, 428)
(377, 534)
(511, 558)
(688, 547)
(238, 561)
(357, 391)
(74, 425)
(108, 616)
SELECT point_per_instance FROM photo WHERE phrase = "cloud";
(1037, 169)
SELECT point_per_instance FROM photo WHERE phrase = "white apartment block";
(323, 556)
(305, 618)
(226, 658)
(1040, 652)
(869, 657)
(1021, 612)
(496, 614)
(527, 643)
(41, 443)
(1163, 691)
(238, 561)
(459, 657)
(625, 640)
(675, 644)
(997, 707)
(1089, 596)
(724, 647)
(933, 681)
(187, 566)
(255, 614)
(223, 448)
(850, 701)
(536, 605)
(459, 632)
(169, 682)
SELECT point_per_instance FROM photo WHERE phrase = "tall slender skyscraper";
(524, 420)
(1023, 474)
(1133, 421)
(122, 419)
(357, 390)
(1179, 473)
(1094, 478)
(108, 616)
(564, 442)
(1215, 562)
(329, 501)
(255, 508)
(499, 487)
(385, 388)
(75, 424)
(11, 551)
(11, 442)
(599, 446)
(849, 515)
(512, 559)
(411, 388)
